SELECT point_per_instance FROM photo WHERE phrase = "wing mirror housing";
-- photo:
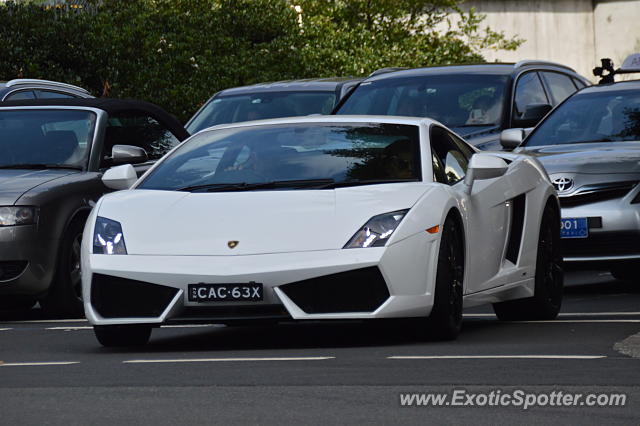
(510, 139)
(128, 154)
(120, 177)
(484, 166)
(532, 115)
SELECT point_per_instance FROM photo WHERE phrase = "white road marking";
(5, 329)
(151, 361)
(23, 364)
(44, 321)
(192, 325)
(568, 314)
(70, 328)
(497, 357)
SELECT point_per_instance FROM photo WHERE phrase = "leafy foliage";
(177, 53)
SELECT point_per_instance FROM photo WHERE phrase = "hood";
(14, 183)
(590, 158)
(192, 224)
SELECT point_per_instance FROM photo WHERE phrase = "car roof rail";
(530, 62)
(18, 81)
(386, 70)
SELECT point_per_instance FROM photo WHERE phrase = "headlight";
(108, 238)
(16, 215)
(377, 231)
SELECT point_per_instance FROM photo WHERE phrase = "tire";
(122, 335)
(64, 298)
(445, 320)
(547, 299)
(627, 272)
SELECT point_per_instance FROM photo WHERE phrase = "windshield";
(455, 100)
(32, 137)
(319, 154)
(259, 106)
(591, 117)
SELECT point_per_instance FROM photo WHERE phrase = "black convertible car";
(52, 155)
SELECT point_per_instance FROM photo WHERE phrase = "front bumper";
(614, 231)
(27, 262)
(402, 268)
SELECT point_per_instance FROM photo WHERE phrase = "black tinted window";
(339, 152)
(259, 106)
(450, 161)
(137, 130)
(591, 117)
(456, 100)
(560, 86)
(23, 94)
(48, 94)
(529, 91)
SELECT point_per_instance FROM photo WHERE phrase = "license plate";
(249, 292)
(574, 227)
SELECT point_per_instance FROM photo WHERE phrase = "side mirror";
(128, 154)
(510, 139)
(532, 115)
(484, 166)
(120, 177)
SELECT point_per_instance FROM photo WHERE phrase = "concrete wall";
(574, 32)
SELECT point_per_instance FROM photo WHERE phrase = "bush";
(177, 53)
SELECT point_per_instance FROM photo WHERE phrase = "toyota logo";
(562, 184)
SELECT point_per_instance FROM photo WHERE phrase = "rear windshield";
(232, 109)
(55, 137)
(328, 152)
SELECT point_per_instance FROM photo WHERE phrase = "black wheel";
(549, 279)
(122, 335)
(627, 272)
(445, 321)
(64, 298)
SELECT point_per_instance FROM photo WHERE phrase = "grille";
(231, 313)
(115, 297)
(359, 290)
(603, 244)
(12, 269)
(596, 193)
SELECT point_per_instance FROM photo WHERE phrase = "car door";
(559, 86)
(529, 91)
(487, 210)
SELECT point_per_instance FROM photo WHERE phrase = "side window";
(579, 84)
(450, 162)
(560, 86)
(137, 129)
(49, 94)
(529, 91)
(22, 94)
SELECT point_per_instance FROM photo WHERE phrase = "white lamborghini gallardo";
(320, 218)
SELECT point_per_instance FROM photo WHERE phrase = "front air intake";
(359, 290)
(12, 269)
(115, 297)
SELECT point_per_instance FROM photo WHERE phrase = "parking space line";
(153, 361)
(497, 357)
(5, 329)
(29, 364)
(70, 328)
(192, 325)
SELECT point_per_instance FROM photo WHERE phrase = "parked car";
(271, 100)
(52, 155)
(476, 101)
(590, 146)
(25, 88)
(321, 218)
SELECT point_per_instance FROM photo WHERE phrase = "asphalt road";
(55, 372)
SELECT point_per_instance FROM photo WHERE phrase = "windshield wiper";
(591, 141)
(358, 182)
(244, 186)
(37, 166)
